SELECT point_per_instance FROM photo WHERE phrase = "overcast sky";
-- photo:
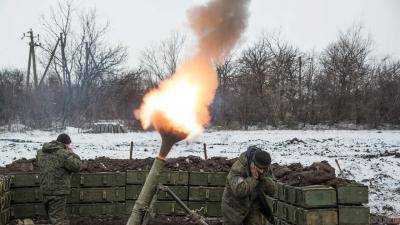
(309, 24)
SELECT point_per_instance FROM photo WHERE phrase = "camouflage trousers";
(254, 217)
(55, 206)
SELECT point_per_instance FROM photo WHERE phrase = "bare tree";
(162, 60)
(345, 64)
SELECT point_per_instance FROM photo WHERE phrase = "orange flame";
(180, 104)
(182, 100)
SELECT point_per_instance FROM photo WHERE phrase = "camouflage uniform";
(56, 163)
(241, 204)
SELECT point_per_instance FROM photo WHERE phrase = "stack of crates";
(114, 193)
(320, 205)
(5, 199)
(91, 194)
(205, 192)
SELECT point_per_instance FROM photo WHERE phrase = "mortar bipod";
(192, 214)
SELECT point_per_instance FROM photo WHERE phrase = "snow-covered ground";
(381, 174)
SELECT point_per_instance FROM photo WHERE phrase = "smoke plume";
(218, 25)
(180, 104)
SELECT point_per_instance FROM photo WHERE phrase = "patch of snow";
(349, 147)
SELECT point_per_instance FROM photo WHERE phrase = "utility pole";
(32, 57)
(49, 63)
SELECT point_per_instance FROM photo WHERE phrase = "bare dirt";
(294, 174)
(119, 220)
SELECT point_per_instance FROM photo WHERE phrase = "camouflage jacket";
(56, 164)
(240, 191)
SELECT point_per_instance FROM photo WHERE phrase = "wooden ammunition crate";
(317, 196)
(4, 216)
(167, 177)
(207, 209)
(316, 217)
(353, 215)
(217, 179)
(24, 180)
(213, 194)
(105, 179)
(78, 195)
(180, 191)
(353, 194)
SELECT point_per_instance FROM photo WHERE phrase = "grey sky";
(309, 24)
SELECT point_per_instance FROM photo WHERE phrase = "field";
(371, 157)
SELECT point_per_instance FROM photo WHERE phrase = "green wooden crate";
(208, 179)
(132, 191)
(180, 191)
(353, 215)
(317, 196)
(5, 200)
(136, 177)
(97, 209)
(5, 184)
(213, 194)
(174, 178)
(26, 195)
(21, 211)
(207, 209)
(353, 194)
(24, 180)
(291, 212)
(316, 216)
(280, 193)
(289, 195)
(272, 203)
(105, 179)
(167, 177)
(4, 216)
(282, 210)
(93, 195)
(168, 208)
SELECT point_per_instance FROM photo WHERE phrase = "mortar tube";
(146, 194)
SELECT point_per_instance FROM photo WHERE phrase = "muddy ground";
(117, 220)
(294, 174)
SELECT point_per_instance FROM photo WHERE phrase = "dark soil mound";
(319, 173)
(103, 164)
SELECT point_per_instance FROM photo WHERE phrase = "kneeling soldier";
(57, 162)
(248, 180)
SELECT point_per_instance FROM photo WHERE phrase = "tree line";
(269, 82)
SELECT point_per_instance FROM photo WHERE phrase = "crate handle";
(82, 180)
(81, 196)
(208, 194)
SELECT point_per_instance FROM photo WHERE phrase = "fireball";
(180, 104)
